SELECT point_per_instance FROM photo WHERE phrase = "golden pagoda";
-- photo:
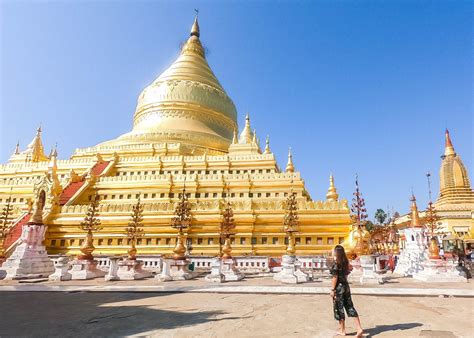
(185, 134)
(455, 204)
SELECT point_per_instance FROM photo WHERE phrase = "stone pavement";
(220, 315)
(252, 284)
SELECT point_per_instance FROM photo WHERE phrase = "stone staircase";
(70, 193)
(75, 188)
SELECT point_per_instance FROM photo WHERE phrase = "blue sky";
(363, 87)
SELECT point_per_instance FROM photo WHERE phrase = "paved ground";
(220, 315)
(393, 281)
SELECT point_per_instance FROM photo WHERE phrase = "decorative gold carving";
(90, 224)
(181, 221)
(227, 229)
(135, 228)
(291, 222)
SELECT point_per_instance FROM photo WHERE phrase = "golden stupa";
(455, 203)
(184, 135)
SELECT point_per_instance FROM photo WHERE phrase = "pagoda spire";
(414, 216)
(193, 45)
(195, 27)
(35, 150)
(267, 145)
(17, 148)
(289, 166)
(246, 135)
(448, 145)
(332, 194)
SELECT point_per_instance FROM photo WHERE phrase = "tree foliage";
(380, 216)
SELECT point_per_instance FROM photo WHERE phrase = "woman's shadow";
(385, 328)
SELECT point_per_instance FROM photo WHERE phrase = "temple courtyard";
(257, 307)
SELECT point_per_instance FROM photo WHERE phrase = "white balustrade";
(151, 263)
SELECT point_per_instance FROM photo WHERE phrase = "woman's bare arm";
(333, 285)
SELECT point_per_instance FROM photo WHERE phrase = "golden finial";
(289, 166)
(193, 45)
(254, 138)
(415, 217)
(448, 146)
(246, 135)
(267, 145)
(195, 27)
(17, 148)
(332, 194)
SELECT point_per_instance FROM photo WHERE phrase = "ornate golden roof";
(186, 104)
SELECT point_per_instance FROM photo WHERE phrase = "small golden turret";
(267, 145)
(289, 166)
(332, 194)
(246, 136)
(415, 217)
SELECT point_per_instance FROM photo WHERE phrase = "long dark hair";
(341, 259)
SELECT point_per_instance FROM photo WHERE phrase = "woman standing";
(341, 293)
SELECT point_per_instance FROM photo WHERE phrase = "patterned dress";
(342, 299)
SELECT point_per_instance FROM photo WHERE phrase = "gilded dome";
(186, 104)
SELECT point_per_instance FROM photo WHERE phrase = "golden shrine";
(184, 138)
(455, 204)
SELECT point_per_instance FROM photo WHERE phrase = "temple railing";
(316, 266)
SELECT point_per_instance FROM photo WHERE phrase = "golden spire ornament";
(195, 27)
(227, 229)
(448, 145)
(181, 221)
(414, 217)
(135, 229)
(332, 194)
(246, 134)
(17, 148)
(267, 145)
(291, 222)
(289, 166)
(5, 222)
(432, 224)
(90, 224)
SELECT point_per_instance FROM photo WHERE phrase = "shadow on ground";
(74, 314)
(371, 332)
